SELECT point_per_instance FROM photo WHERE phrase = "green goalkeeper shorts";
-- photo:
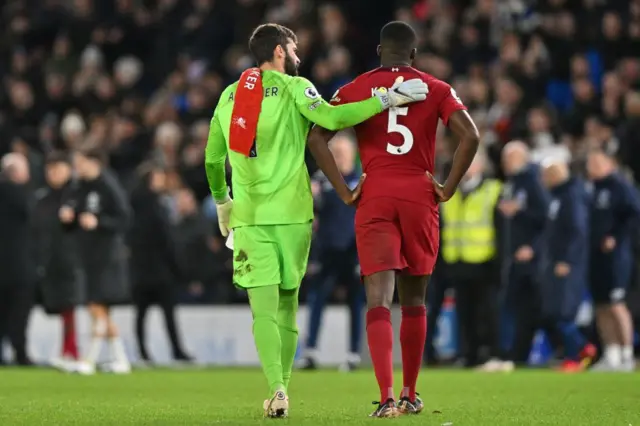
(271, 255)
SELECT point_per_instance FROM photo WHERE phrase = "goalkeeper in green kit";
(261, 122)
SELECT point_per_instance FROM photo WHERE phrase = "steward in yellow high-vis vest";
(470, 261)
(469, 232)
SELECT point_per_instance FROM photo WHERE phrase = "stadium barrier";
(215, 335)
(221, 335)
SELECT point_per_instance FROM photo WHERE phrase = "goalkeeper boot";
(277, 406)
(406, 406)
(387, 409)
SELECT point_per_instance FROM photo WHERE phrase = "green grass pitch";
(234, 397)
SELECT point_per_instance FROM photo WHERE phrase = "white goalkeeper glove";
(224, 214)
(403, 92)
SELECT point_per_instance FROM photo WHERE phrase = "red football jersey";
(397, 147)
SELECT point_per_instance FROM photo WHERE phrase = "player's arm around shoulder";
(315, 109)
(320, 135)
(304, 93)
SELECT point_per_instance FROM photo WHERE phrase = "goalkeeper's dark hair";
(266, 38)
(398, 38)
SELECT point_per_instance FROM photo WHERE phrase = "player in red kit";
(397, 226)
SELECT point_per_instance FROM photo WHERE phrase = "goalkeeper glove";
(224, 214)
(403, 92)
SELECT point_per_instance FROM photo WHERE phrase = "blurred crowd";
(138, 80)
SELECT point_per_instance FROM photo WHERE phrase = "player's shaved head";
(397, 43)
(554, 172)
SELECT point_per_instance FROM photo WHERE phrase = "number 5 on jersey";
(394, 127)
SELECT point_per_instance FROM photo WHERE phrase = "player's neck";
(395, 62)
(270, 66)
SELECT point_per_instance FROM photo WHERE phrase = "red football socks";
(69, 344)
(380, 339)
(413, 334)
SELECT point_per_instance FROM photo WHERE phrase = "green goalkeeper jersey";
(272, 187)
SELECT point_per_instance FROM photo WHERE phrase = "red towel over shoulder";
(246, 110)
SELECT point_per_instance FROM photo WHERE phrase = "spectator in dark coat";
(565, 265)
(16, 283)
(615, 210)
(56, 256)
(154, 258)
(524, 207)
(203, 255)
(338, 257)
(104, 215)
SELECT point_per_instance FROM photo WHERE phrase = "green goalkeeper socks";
(287, 311)
(275, 332)
(266, 333)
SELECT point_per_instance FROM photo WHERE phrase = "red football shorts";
(397, 235)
